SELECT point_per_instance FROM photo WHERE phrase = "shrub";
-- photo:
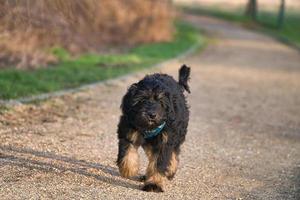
(29, 29)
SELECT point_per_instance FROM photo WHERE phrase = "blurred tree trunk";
(280, 20)
(251, 9)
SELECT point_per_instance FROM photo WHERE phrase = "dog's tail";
(184, 76)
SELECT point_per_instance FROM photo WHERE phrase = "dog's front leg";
(162, 165)
(128, 158)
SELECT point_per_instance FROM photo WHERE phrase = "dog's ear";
(128, 98)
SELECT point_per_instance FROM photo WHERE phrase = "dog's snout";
(152, 115)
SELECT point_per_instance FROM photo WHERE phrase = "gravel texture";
(243, 140)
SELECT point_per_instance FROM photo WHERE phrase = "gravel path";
(243, 140)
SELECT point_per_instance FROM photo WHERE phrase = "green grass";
(266, 21)
(71, 73)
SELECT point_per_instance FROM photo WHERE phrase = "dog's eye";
(163, 102)
(137, 101)
(159, 96)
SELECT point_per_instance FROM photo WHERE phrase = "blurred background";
(238, 4)
(30, 26)
(277, 17)
(49, 45)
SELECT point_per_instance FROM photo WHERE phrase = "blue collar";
(154, 132)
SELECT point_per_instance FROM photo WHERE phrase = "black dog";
(155, 116)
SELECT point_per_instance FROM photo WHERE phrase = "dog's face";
(147, 107)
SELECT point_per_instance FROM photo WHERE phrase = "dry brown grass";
(29, 27)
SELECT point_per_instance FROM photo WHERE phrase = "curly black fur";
(155, 99)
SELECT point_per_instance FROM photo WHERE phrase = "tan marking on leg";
(151, 169)
(172, 168)
(152, 160)
(133, 137)
(148, 151)
(164, 137)
(129, 166)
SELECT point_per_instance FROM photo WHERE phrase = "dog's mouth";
(154, 126)
(148, 125)
(151, 123)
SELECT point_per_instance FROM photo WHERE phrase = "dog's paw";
(142, 178)
(171, 177)
(152, 187)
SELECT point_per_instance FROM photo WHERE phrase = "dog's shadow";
(9, 155)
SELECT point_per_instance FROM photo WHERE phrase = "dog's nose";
(152, 115)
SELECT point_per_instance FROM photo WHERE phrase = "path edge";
(45, 96)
